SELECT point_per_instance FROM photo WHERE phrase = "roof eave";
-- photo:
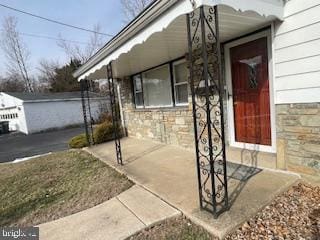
(142, 20)
(150, 15)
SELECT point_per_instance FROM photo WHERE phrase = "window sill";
(163, 109)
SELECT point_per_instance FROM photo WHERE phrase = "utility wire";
(49, 38)
(52, 38)
(54, 21)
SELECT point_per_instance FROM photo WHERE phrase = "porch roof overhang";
(159, 33)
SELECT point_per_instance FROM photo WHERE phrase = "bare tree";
(47, 74)
(16, 52)
(47, 69)
(131, 8)
(11, 83)
(82, 53)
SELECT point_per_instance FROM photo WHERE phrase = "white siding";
(42, 116)
(11, 105)
(7, 101)
(22, 121)
(297, 53)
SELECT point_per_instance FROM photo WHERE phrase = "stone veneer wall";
(166, 125)
(298, 137)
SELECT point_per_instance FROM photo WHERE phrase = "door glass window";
(253, 65)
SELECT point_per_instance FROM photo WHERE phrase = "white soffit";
(264, 8)
(166, 37)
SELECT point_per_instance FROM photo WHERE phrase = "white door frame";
(231, 125)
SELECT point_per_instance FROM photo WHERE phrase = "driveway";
(14, 146)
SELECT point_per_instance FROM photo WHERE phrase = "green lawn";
(54, 186)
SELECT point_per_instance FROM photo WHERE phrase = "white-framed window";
(180, 78)
(162, 86)
(157, 87)
(138, 90)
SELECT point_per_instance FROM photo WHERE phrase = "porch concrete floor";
(170, 173)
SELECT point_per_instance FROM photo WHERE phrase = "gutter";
(8, 108)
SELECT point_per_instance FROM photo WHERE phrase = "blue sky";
(83, 13)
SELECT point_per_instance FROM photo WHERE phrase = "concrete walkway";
(118, 218)
(170, 173)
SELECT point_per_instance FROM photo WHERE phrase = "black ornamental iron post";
(115, 112)
(207, 101)
(86, 109)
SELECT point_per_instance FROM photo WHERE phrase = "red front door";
(250, 83)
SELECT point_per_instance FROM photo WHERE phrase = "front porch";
(170, 173)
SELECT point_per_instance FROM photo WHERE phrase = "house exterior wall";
(46, 115)
(297, 87)
(173, 125)
(299, 137)
(10, 115)
(12, 105)
(167, 125)
(296, 98)
(297, 53)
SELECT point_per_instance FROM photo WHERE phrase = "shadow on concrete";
(143, 153)
(242, 172)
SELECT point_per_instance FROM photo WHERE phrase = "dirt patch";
(54, 186)
(173, 229)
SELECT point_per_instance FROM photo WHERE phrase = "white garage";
(35, 112)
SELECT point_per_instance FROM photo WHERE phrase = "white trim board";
(231, 127)
(296, 96)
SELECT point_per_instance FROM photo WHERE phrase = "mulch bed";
(294, 214)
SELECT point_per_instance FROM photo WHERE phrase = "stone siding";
(167, 125)
(298, 137)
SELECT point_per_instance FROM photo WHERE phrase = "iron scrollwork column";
(115, 112)
(86, 109)
(207, 101)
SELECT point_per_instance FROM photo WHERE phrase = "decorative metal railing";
(86, 108)
(86, 91)
(207, 100)
(115, 111)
